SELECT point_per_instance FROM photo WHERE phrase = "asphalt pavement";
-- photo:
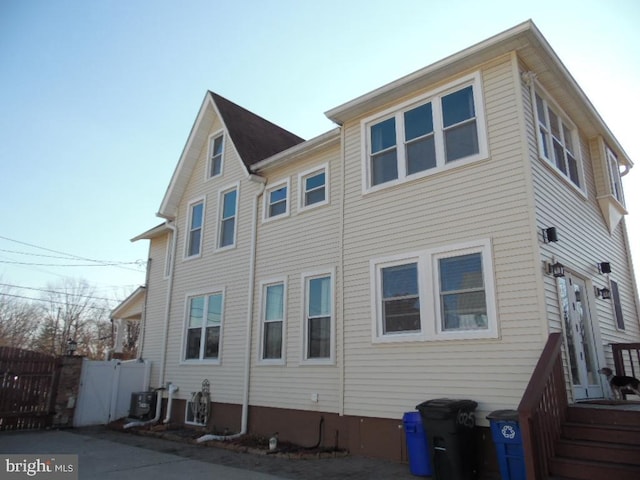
(109, 455)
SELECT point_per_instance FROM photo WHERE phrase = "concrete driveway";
(108, 455)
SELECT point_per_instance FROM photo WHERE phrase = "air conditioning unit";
(143, 405)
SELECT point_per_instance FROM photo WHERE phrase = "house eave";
(152, 232)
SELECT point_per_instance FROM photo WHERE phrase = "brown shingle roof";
(254, 137)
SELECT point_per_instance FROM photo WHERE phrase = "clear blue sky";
(97, 98)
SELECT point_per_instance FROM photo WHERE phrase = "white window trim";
(186, 415)
(331, 360)
(397, 111)
(221, 194)
(613, 174)
(187, 228)
(428, 288)
(301, 187)
(268, 189)
(575, 138)
(263, 299)
(213, 136)
(185, 327)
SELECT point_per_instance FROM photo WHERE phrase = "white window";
(216, 147)
(615, 182)
(313, 187)
(273, 321)
(436, 294)
(319, 322)
(203, 327)
(228, 215)
(276, 200)
(557, 139)
(194, 229)
(440, 130)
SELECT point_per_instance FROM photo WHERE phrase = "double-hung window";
(426, 135)
(557, 139)
(204, 323)
(443, 293)
(318, 318)
(273, 315)
(228, 214)
(216, 145)
(313, 190)
(194, 230)
(277, 200)
(613, 168)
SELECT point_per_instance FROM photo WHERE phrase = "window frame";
(269, 189)
(189, 230)
(537, 91)
(302, 191)
(201, 360)
(397, 112)
(263, 321)
(221, 219)
(616, 189)
(429, 293)
(210, 157)
(306, 278)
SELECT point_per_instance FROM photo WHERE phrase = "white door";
(579, 338)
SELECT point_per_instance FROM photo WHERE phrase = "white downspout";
(172, 389)
(247, 349)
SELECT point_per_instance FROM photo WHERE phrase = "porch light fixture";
(604, 267)
(550, 234)
(72, 346)
(556, 269)
(603, 293)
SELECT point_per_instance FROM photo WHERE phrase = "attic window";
(216, 145)
(613, 168)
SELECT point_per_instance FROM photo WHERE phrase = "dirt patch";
(253, 444)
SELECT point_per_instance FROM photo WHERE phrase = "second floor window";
(277, 200)
(615, 181)
(228, 218)
(194, 235)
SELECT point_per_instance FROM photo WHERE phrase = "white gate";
(106, 388)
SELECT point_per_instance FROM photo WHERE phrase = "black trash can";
(450, 429)
(505, 431)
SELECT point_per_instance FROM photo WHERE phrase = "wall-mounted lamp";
(549, 234)
(603, 293)
(604, 267)
(72, 346)
(555, 269)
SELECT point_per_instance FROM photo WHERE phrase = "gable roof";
(253, 137)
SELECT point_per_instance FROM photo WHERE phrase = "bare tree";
(18, 319)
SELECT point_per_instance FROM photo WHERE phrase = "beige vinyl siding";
(484, 200)
(584, 238)
(289, 247)
(213, 271)
(154, 311)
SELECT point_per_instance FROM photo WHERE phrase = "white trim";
(428, 289)
(185, 327)
(263, 285)
(397, 112)
(195, 201)
(186, 415)
(221, 193)
(301, 187)
(168, 256)
(210, 138)
(305, 277)
(286, 182)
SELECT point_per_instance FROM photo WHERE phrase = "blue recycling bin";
(507, 438)
(417, 446)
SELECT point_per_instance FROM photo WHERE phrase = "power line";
(58, 292)
(72, 265)
(55, 302)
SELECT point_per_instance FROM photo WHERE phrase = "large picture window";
(435, 294)
(204, 323)
(425, 136)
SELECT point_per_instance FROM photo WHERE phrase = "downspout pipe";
(172, 389)
(247, 349)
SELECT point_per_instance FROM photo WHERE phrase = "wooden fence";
(28, 381)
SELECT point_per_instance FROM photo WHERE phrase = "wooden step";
(590, 470)
(625, 414)
(629, 435)
(598, 451)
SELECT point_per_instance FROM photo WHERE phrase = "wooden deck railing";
(626, 358)
(543, 409)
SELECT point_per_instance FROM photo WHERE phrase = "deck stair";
(599, 442)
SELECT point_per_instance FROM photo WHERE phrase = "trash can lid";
(511, 415)
(446, 405)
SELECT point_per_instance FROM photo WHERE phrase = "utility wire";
(55, 302)
(72, 265)
(58, 292)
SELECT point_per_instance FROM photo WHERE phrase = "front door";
(579, 338)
